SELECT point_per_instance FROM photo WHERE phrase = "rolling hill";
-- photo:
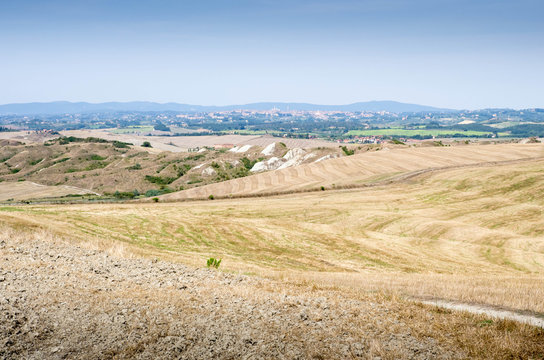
(360, 169)
(106, 166)
(343, 264)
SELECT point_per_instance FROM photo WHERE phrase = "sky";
(462, 54)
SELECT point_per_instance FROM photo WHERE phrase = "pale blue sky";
(456, 54)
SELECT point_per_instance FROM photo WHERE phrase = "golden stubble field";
(373, 165)
(467, 234)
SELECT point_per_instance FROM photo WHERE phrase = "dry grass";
(473, 235)
(360, 169)
(182, 143)
(80, 304)
(28, 190)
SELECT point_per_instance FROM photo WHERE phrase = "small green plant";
(155, 199)
(213, 262)
(146, 144)
(485, 323)
(211, 197)
(322, 188)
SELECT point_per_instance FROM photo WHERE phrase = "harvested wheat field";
(361, 169)
(29, 190)
(182, 143)
(329, 274)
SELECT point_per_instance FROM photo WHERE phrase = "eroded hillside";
(101, 166)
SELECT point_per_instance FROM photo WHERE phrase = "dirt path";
(488, 311)
(58, 300)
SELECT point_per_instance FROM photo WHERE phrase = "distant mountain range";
(62, 107)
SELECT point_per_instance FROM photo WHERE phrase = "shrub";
(347, 151)
(182, 170)
(248, 164)
(213, 262)
(146, 144)
(160, 180)
(120, 144)
(195, 157)
(135, 167)
(34, 162)
(124, 194)
(155, 199)
(322, 188)
(150, 193)
(97, 157)
(211, 197)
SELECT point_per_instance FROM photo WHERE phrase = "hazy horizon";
(447, 54)
(267, 102)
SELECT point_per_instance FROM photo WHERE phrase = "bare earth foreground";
(59, 300)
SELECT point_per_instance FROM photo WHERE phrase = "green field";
(133, 129)
(415, 132)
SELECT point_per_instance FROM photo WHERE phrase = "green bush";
(211, 197)
(135, 167)
(124, 194)
(160, 180)
(248, 164)
(153, 192)
(120, 144)
(347, 151)
(146, 144)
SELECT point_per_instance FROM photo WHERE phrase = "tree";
(146, 144)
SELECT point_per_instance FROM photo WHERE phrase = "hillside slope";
(104, 166)
(360, 168)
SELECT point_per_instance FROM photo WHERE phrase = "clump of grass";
(213, 262)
